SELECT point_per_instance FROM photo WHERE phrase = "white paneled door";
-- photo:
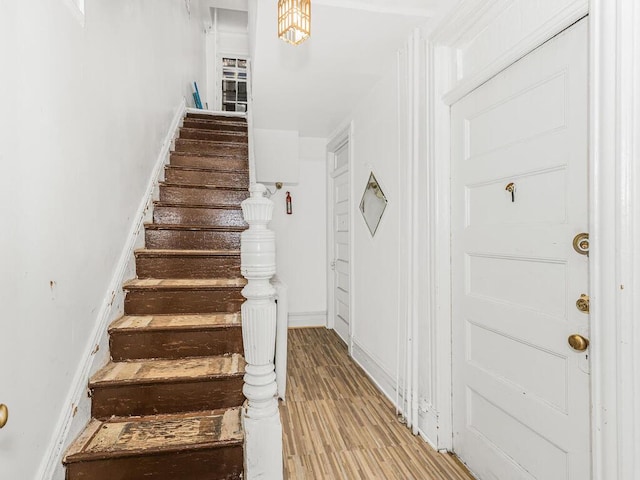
(340, 225)
(519, 197)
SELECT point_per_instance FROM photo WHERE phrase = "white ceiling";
(313, 87)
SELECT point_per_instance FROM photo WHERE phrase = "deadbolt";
(582, 303)
(581, 243)
(578, 342)
(4, 415)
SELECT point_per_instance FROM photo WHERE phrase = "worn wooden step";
(222, 118)
(220, 215)
(165, 263)
(147, 296)
(208, 124)
(205, 146)
(202, 194)
(149, 387)
(192, 237)
(213, 135)
(206, 176)
(175, 336)
(219, 117)
(202, 160)
(185, 446)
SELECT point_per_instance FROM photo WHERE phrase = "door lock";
(333, 265)
(582, 303)
(581, 243)
(578, 342)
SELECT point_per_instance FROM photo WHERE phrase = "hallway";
(338, 426)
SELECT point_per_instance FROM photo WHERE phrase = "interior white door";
(520, 393)
(340, 225)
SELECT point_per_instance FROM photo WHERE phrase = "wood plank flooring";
(338, 426)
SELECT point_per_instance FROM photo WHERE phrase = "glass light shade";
(294, 20)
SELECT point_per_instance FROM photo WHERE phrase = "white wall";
(86, 108)
(377, 308)
(278, 154)
(301, 237)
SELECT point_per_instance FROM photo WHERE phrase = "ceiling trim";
(366, 6)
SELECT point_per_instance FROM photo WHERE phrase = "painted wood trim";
(307, 319)
(340, 137)
(485, 12)
(77, 405)
(377, 373)
(615, 226)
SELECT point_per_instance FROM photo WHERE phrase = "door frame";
(344, 134)
(614, 208)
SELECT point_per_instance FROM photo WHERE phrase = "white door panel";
(340, 224)
(521, 394)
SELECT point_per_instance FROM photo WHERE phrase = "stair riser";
(202, 196)
(192, 240)
(175, 344)
(220, 217)
(212, 135)
(136, 399)
(219, 118)
(214, 125)
(172, 301)
(183, 145)
(188, 267)
(223, 163)
(226, 462)
(211, 178)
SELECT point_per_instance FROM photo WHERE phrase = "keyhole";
(511, 188)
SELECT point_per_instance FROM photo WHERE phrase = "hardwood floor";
(338, 426)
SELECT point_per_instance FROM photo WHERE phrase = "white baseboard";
(307, 319)
(385, 381)
(77, 412)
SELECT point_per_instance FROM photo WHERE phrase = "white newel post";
(262, 427)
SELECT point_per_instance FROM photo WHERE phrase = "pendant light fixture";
(294, 20)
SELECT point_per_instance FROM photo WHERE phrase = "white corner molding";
(261, 418)
(77, 405)
(615, 230)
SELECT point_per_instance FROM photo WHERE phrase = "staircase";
(166, 407)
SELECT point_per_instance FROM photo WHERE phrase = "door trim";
(341, 136)
(614, 209)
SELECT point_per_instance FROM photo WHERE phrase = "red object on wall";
(289, 209)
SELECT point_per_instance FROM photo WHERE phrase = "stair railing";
(252, 155)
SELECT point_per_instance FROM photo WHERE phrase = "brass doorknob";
(578, 342)
(4, 415)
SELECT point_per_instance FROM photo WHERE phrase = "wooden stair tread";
(239, 146)
(236, 133)
(145, 435)
(220, 206)
(150, 252)
(178, 153)
(173, 226)
(190, 168)
(129, 323)
(171, 370)
(218, 117)
(184, 283)
(208, 187)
